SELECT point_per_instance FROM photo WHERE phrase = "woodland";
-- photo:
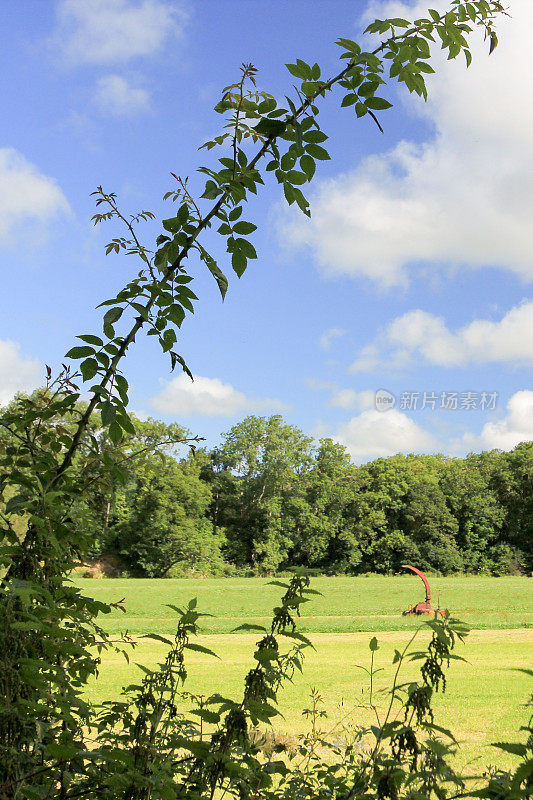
(271, 498)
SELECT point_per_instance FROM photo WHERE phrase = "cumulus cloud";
(207, 397)
(26, 194)
(349, 398)
(344, 398)
(419, 333)
(114, 31)
(505, 434)
(18, 373)
(462, 197)
(374, 434)
(329, 336)
(116, 95)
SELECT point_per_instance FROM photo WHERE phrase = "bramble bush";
(53, 742)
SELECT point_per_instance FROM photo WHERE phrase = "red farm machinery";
(424, 607)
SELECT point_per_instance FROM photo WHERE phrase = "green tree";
(513, 480)
(475, 505)
(316, 512)
(427, 520)
(268, 460)
(166, 527)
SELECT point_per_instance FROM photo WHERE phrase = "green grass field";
(484, 701)
(347, 605)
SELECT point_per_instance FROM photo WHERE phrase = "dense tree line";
(271, 497)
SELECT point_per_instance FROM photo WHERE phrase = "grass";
(485, 697)
(347, 605)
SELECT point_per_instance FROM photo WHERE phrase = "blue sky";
(413, 275)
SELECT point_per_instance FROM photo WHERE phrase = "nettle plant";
(53, 742)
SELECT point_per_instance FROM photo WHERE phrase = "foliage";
(284, 501)
(166, 524)
(50, 636)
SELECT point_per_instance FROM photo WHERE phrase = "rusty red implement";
(424, 607)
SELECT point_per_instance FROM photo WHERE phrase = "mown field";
(347, 605)
(485, 697)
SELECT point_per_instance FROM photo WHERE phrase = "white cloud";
(506, 433)
(367, 360)
(464, 196)
(114, 94)
(329, 336)
(349, 398)
(207, 397)
(25, 193)
(418, 333)
(344, 398)
(17, 372)
(374, 434)
(114, 31)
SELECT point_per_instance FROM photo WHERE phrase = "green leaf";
(207, 715)
(349, 100)
(317, 152)
(244, 227)
(308, 165)
(299, 70)
(80, 352)
(361, 109)
(270, 127)
(175, 608)
(238, 262)
(302, 201)
(176, 314)
(377, 103)
(287, 161)
(398, 22)
(515, 748)
(266, 654)
(111, 316)
(246, 626)
(235, 213)
(199, 648)
(108, 412)
(183, 214)
(126, 424)
(299, 637)
(432, 727)
(157, 638)
(296, 178)
(315, 136)
(216, 272)
(172, 224)
(90, 339)
(115, 432)
(289, 193)
(368, 88)
(89, 368)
